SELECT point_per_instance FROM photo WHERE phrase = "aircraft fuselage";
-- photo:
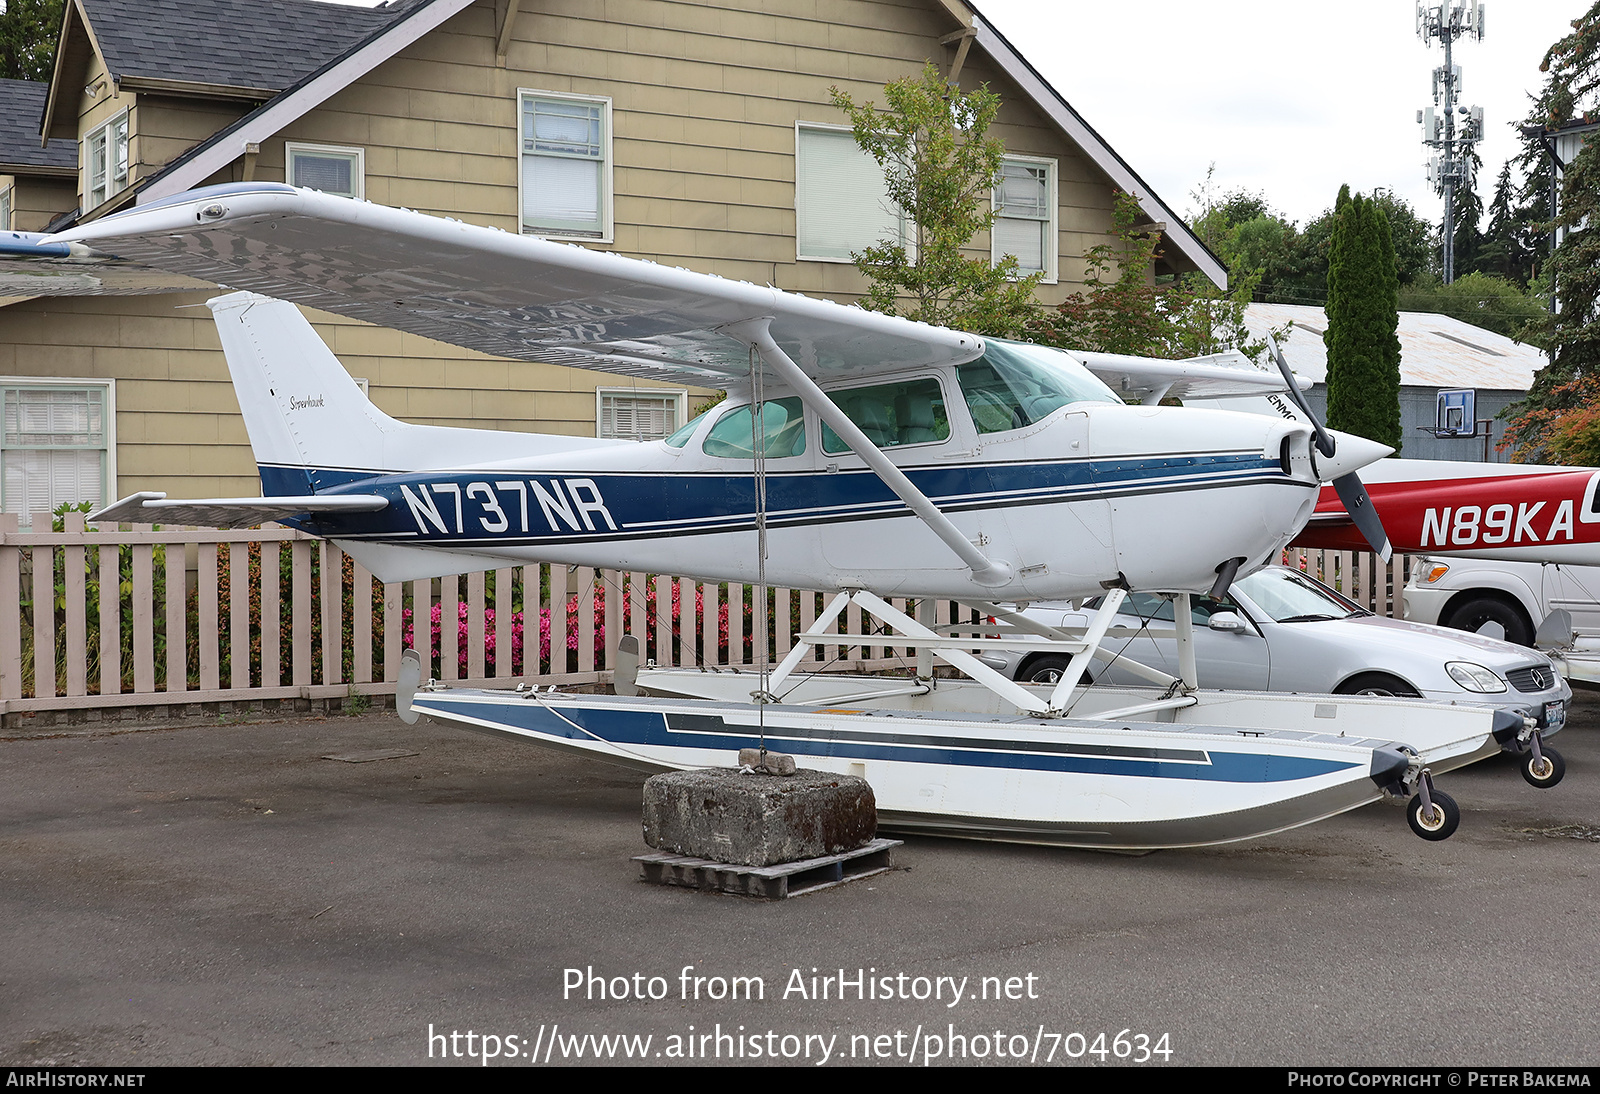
(1092, 494)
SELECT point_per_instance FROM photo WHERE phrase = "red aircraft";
(1500, 511)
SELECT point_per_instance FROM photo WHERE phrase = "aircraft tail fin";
(312, 427)
(309, 422)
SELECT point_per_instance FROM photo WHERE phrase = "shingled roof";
(21, 103)
(234, 43)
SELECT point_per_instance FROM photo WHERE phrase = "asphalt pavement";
(224, 894)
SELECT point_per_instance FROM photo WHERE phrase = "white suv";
(1501, 599)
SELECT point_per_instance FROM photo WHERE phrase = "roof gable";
(1070, 122)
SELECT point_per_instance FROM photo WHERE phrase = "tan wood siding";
(35, 201)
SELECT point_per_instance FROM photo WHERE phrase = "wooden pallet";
(778, 882)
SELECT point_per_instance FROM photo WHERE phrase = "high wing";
(504, 294)
(32, 264)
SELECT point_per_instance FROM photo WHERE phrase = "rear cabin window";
(911, 412)
(783, 420)
(1015, 384)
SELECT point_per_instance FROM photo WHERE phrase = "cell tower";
(1451, 166)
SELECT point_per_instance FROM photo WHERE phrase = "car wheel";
(1047, 670)
(1474, 615)
(1377, 683)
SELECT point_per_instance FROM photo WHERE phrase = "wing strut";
(988, 572)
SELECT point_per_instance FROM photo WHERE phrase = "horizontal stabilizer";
(150, 507)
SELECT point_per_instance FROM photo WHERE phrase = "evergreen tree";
(1298, 270)
(1469, 216)
(28, 32)
(1363, 317)
(1563, 393)
(1506, 251)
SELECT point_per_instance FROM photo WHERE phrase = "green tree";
(28, 31)
(1363, 317)
(1562, 402)
(1482, 299)
(940, 165)
(1122, 309)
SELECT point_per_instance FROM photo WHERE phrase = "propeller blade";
(1359, 506)
(1325, 443)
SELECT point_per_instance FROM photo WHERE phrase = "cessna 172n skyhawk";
(856, 452)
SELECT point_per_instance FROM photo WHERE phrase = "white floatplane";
(856, 452)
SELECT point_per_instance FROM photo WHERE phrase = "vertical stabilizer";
(312, 428)
(309, 423)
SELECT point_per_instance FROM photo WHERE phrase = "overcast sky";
(1287, 98)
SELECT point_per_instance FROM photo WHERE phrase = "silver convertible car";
(1282, 630)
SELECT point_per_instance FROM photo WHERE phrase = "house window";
(638, 414)
(105, 161)
(566, 165)
(1025, 201)
(841, 201)
(5, 209)
(328, 168)
(55, 447)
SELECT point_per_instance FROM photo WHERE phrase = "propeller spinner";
(1338, 451)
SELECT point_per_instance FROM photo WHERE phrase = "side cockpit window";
(783, 421)
(681, 435)
(910, 412)
(1015, 384)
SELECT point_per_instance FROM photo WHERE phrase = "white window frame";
(1052, 250)
(678, 396)
(607, 168)
(907, 235)
(102, 134)
(7, 200)
(108, 484)
(358, 168)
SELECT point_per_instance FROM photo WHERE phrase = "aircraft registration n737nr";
(856, 452)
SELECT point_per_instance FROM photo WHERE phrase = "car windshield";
(1289, 596)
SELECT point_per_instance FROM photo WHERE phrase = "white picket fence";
(141, 617)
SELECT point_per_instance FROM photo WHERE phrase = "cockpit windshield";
(1015, 384)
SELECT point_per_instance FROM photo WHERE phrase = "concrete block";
(758, 820)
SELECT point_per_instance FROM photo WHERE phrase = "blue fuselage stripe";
(516, 507)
